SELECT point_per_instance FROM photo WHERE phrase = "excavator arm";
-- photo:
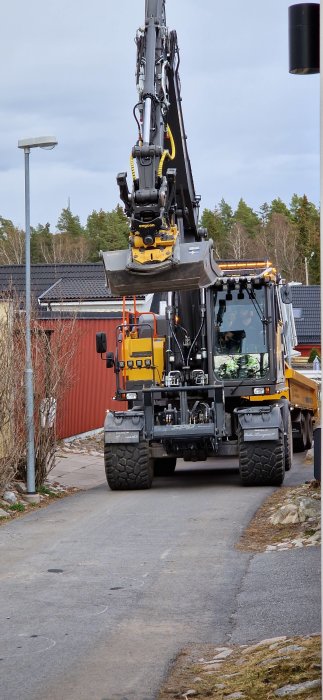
(167, 250)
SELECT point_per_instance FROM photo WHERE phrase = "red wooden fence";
(83, 405)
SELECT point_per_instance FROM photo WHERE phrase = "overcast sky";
(67, 70)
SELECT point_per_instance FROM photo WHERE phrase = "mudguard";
(123, 427)
(260, 422)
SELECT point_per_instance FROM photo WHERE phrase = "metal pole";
(29, 383)
(306, 272)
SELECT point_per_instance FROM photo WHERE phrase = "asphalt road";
(99, 591)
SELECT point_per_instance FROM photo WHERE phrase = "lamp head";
(38, 142)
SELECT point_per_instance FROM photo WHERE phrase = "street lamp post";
(306, 260)
(26, 145)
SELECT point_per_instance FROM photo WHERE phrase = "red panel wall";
(83, 405)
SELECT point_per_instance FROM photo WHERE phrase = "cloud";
(253, 130)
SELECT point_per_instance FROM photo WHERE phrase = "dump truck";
(206, 372)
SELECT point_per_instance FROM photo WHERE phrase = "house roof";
(61, 282)
(307, 313)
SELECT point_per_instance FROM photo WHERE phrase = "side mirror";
(286, 294)
(101, 343)
(109, 360)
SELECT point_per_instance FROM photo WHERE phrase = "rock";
(275, 642)
(285, 515)
(21, 487)
(274, 661)
(4, 513)
(289, 648)
(272, 640)
(315, 537)
(10, 497)
(235, 696)
(223, 654)
(189, 693)
(308, 508)
(297, 689)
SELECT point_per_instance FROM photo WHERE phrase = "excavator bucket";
(193, 268)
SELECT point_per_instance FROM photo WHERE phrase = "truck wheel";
(261, 463)
(309, 431)
(288, 435)
(128, 467)
(301, 441)
(164, 467)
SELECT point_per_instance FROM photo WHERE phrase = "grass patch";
(17, 507)
(256, 671)
(45, 491)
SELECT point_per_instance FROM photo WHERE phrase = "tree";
(264, 210)
(69, 223)
(12, 441)
(54, 345)
(307, 220)
(278, 243)
(107, 231)
(246, 216)
(277, 206)
(40, 243)
(12, 244)
(211, 220)
(219, 223)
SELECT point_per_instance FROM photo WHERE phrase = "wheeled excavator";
(205, 372)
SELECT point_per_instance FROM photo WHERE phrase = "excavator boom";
(167, 251)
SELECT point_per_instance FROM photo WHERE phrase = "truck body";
(205, 373)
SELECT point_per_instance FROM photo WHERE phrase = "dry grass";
(47, 497)
(260, 532)
(254, 671)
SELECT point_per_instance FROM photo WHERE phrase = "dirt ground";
(280, 667)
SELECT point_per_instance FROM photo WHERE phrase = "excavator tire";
(128, 467)
(301, 442)
(309, 431)
(164, 467)
(261, 463)
(288, 437)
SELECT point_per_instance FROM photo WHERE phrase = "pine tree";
(247, 217)
(107, 231)
(69, 223)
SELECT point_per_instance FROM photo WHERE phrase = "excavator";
(206, 372)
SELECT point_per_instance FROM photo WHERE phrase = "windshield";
(240, 345)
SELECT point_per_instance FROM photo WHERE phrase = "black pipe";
(304, 38)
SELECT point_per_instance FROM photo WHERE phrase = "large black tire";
(309, 431)
(261, 463)
(164, 467)
(301, 442)
(128, 467)
(288, 435)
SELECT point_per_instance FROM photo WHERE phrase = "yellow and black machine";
(206, 371)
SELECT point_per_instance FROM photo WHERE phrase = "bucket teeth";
(193, 268)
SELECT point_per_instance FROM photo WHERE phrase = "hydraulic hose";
(166, 153)
(132, 167)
